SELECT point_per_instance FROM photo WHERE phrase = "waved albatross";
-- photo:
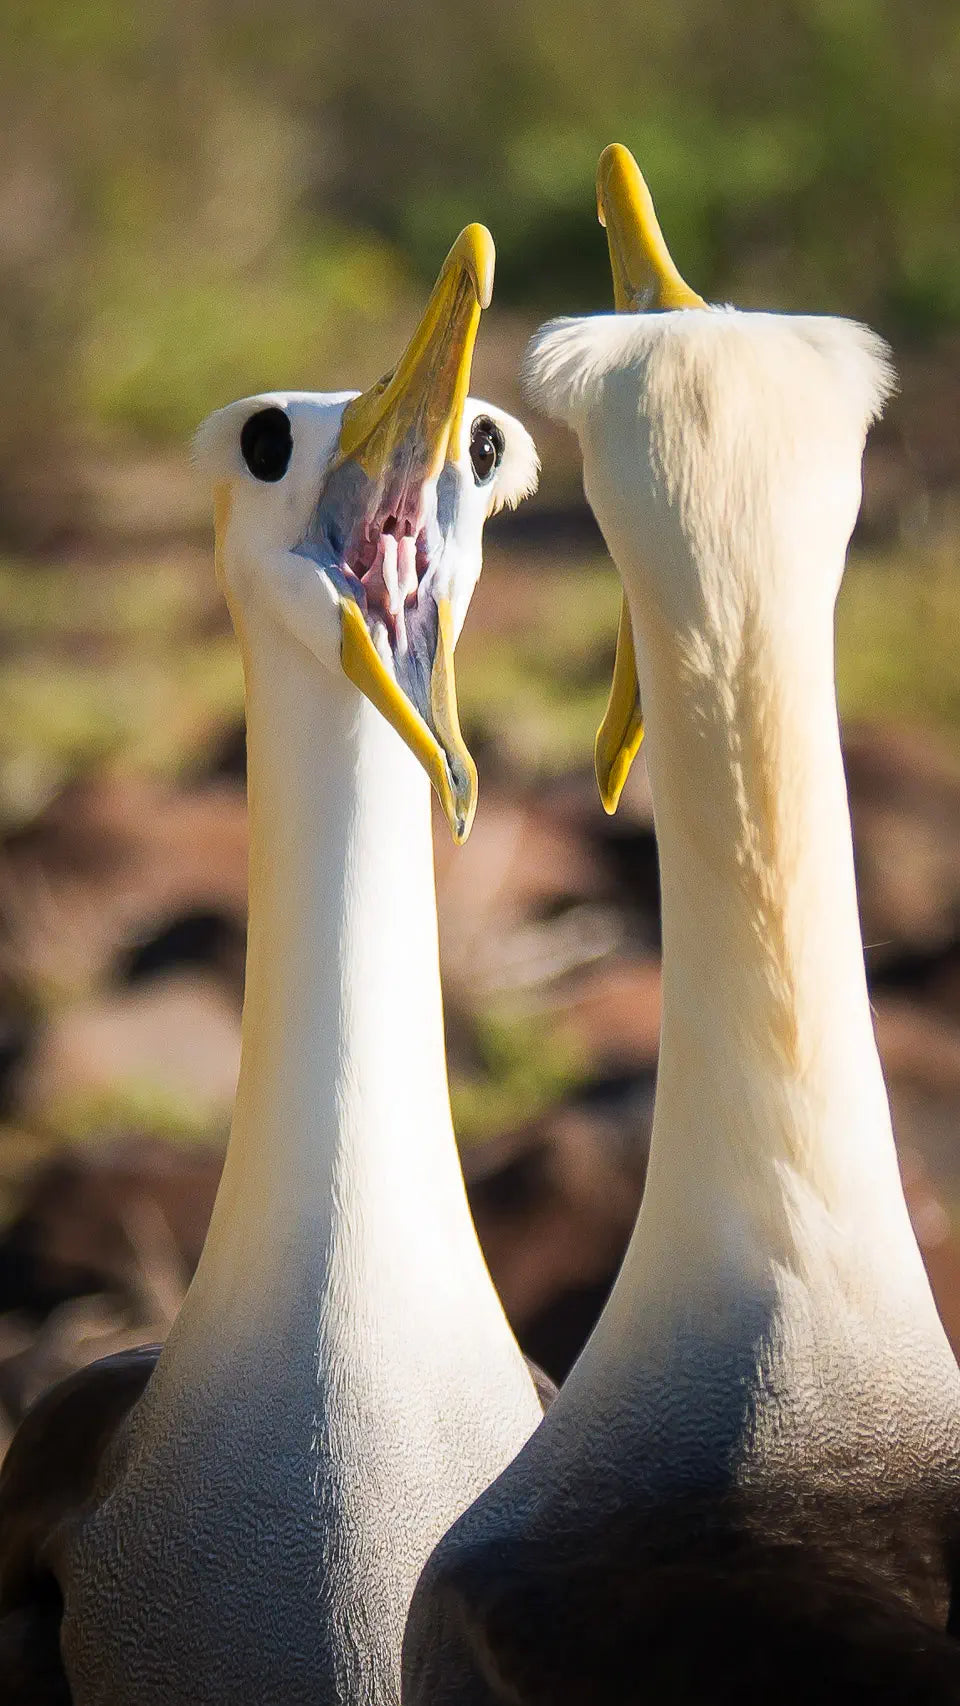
(242, 1518)
(749, 1488)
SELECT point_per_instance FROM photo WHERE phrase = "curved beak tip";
(610, 767)
(474, 250)
(615, 161)
(609, 790)
(645, 276)
(462, 824)
(459, 795)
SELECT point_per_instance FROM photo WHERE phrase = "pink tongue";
(387, 564)
(377, 579)
(407, 568)
(392, 580)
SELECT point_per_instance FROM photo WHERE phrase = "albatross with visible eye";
(243, 1519)
(749, 1488)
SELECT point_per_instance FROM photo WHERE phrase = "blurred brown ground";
(199, 201)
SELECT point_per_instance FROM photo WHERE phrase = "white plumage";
(758, 1452)
(246, 1521)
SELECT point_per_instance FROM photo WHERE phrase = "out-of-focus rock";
(554, 1206)
(127, 1219)
(33, 1359)
(109, 864)
(173, 1042)
(939, 1240)
(914, 452)
(624, 843)
(613, 1011)
(905, 804)
(575, 800)
(918, 1047)
(920, 1050)
(506, 900)
(125, 904)
(97, 1260)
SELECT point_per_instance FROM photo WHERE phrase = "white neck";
(341, 1193)
(772, 1157)
(341, 1382)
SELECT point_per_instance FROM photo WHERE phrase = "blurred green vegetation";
(107, 668)
(140, 671)
(898, 622)
(524, 1063)
(200, 199)
(534, 688)
(149, 1107)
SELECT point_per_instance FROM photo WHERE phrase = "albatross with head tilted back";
(243, 1519)
(749, 1488)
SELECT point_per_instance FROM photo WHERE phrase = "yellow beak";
(644, 274)
(645, 279)
(402, 432)
(621, 732)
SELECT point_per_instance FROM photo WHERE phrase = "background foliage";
(200, 196)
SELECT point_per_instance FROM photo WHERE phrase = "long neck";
(772, 1148)
(341, 1173)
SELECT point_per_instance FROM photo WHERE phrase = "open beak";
(395, 440)
(645, 280)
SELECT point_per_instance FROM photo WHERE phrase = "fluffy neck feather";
(721, 457)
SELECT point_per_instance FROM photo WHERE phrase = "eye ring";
(266, 443)
(487, 445)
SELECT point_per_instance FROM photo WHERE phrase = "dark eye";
(486, 448)
(266, 442)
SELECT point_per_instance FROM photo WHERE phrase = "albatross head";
(721, 454)
(358, 520)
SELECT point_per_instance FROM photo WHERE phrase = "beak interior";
(395, 442)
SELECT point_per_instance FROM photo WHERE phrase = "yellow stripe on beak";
(446, 721)
(425, 394)
(362, 665)
(645, 278)
(620, 733)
